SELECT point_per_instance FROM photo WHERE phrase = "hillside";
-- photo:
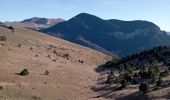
(160, 54)
(149, 67)
(36, 23)
(58, 69)
(110, 36)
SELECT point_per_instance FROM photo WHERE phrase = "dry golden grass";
(68, 79)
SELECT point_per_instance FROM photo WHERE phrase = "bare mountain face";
(113, 36)
(36, 23)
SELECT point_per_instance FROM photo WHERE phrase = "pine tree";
(144, 88)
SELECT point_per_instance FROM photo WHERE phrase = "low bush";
(81, 61)
(144, 88)
(124, 83)
(159, 82)
(46, 72)
(24, 72)
(1, 87)
(3, 38)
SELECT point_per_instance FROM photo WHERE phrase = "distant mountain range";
(2, 24)
(36, 23)
(110, 36)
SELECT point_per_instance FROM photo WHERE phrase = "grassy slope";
(67, 80)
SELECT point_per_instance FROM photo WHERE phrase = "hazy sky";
(157, 11)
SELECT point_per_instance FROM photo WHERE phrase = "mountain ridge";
(36, 23)
(39, 20)
(114, 36)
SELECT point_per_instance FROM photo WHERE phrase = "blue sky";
(156, 11)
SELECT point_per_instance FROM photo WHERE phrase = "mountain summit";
(113, 36)
(47, 21)
(36, 23)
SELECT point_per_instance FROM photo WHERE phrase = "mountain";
(110, 36)
(64, 69)
(36, 23)
(45, 21)
(33, 62)
(2, 24)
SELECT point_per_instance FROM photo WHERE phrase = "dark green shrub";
(66, 55)
(31, 48)
(127, 77)
(34, 97)
(46, 72)
(81, 61)
(124, 83)
(3, 38)
(55, 52)
(144, 88)
(11, 28)
(24, 72)
(1, 87)
(164, 73)
(136, 75)
(159, 82)
(135, 81)
(19, 45)
(109, 79)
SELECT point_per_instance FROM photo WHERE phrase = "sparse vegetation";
(46, 72)
(11, 28)
(54, 60)
(66, 56)
(144, 68)
(49, 56)
(124, 83)
(31, 48)
(159, 82)
(24, 72)
(81, 61)
(35, 78)
(3, 38)
(19, 45)
(164, 73)
(37, 55)
(2, 44)
(1, 87)
(35, 97)
(144, 88)
(55, 52)
(109, 79)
